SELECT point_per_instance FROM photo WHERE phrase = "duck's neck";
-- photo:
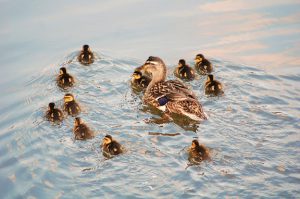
(157, 76)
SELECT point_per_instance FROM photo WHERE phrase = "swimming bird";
(202, 65)
(86, 56)
(64, 79)
(139, 81)
(198, 153)
(213, 87)
(54, 114)
(110, 146)
(183, 71)
(70, 105)
(81, 130)
(169, 96)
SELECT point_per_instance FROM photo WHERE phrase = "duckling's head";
(51, 106)
(62, 70)
(153, 66)
(210, 78)
(195, 144)
(77, 121)
(107, 140)
(68, 97)
(181, 63)
(137, 74)
(85, 47)
(199, 58)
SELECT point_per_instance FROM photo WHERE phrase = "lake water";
(253, 130)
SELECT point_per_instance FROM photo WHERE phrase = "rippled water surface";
(252, 131)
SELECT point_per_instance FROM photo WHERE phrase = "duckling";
(70, 105)
(86, 56)
(213, 87)
(198, 153)
(183, 71)
(202, 65)
(81, 130)
(54, 114)
(64, 79)
(140, 81)
(110, 146)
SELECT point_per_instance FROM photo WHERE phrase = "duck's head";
(154, 66)
(199, 58)
(195, 144)
(77, 121)
(86, 47)
(210, 78)
(181, 63)
(107, 140)
(51, 106)
(62, 70)
(137, 74)
(68, 97)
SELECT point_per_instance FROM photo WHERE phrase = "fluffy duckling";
(140, 81)
(81, 130)
(110, 146)
(64, 79)
(70, 105)
(54, 114)
(183, 71)
(213, 87)
(198, 153)
(202, 65)
(86, 56)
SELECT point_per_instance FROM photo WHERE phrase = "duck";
(198, 153)
(172, 96)
(213, 87)
(54, 114)
(64, 79)
(139, 81)
(81, 130)
(202, 65)
(111, 147)
(183, 71)
(70, 105)
(86, 56)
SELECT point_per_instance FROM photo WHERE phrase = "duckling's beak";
(136, 76)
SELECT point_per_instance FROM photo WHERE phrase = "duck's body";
(81, 130)
(213, 87)
(139, 81)
(184, 71)
(111, 147)
(70, 105)
(64, 80)
(202, 65)
(198, 153)
(86, 56)
(54, 114)
(170, 96)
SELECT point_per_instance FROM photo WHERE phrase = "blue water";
(252, 131)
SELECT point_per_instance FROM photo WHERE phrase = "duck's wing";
(179, 87)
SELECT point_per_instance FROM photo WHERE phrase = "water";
(253, 131)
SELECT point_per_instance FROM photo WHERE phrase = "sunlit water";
(252, 131)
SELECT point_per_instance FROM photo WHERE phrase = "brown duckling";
(81, 130)
(64, 79)
(54, 114)
(202, 65)
(110, 146)
(183, 71)
(213, 87)
(70, 105)
(86, 56)
(140, 81)
(198, 153)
